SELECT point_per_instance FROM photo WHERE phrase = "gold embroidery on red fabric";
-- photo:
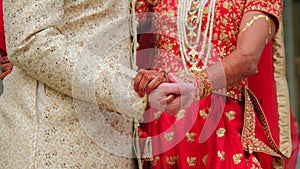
(256, 164)
(237, 158)
(203, 113)
(169, 13)
(277, 163)
(139, 4)
(220, 132)
(232, 92)
(255, 167)
(169, 136)
(254, 159)
(154, 162)
(230, 115)
(167, 46)
(180, 114)
(192, 161)
(249, 141)
(181, 73)
(227, 5)
(171, 160)
(204, 159)
(221, 155)
(190, 137)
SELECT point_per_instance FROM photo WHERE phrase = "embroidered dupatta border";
(249, 140)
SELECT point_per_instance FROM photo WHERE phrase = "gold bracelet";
(207, 85)
(255, 18)
(203, 84)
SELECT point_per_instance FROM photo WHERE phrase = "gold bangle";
(255, 18)
(207, 85)
(203, 83)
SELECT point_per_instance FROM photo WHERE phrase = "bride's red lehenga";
(255, 128)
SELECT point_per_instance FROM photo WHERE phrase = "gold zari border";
(282, 93)
(249, 140)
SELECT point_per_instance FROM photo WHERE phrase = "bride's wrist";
(203, 84)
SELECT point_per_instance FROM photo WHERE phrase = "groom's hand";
(172, 97)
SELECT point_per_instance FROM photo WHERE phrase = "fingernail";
(148, 92)
(161, 102)
(136, 89)
(141, 94)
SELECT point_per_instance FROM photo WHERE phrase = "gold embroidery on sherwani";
(204, 159)
(190, 137)
(237, 158)
(203, 113)
(171, 160)
(220, 132)
(221, 155)
(169, 136)
(154, 162)
(191, 161)
(230, 115)
(180, 114)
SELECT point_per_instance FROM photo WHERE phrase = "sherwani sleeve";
(39, 45)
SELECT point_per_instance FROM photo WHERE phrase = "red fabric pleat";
(2, 36)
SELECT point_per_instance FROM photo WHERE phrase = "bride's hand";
(147, 80)
(6, 67)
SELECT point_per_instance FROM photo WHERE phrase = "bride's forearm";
(256, 30)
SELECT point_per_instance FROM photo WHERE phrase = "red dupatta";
(270, 88)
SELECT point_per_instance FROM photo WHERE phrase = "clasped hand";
(165, 93)
(6, 67)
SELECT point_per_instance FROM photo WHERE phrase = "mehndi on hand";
(147, 80)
